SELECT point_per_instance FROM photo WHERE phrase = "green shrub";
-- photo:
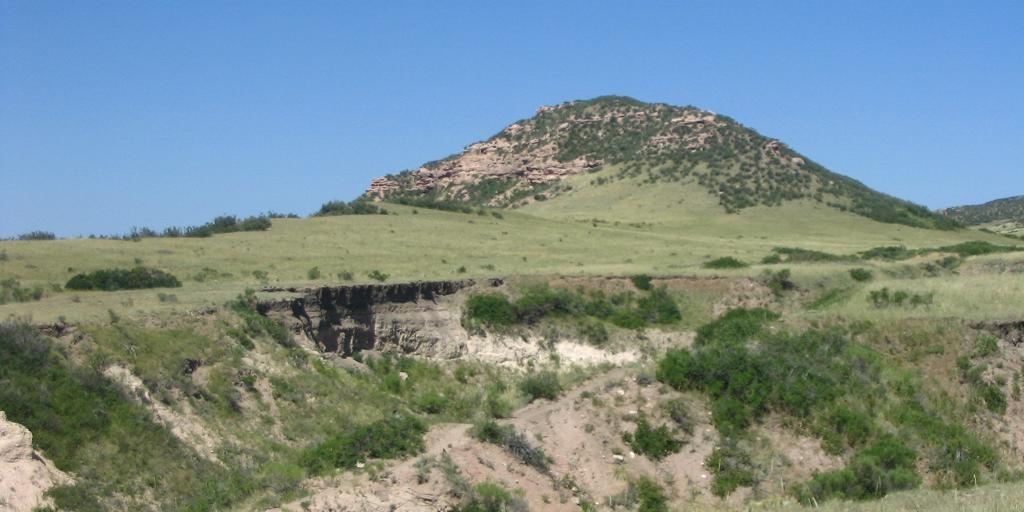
(650, 496)
(396, 436)
(993, 397)
(841, 426)
(37, 235)
(884, 467)
(656, 443)
(725, 262)
(313, 273)
(542, 384)
(885, 298)
(540, 301)
(735, 326)
(641, 282)
(860, 274)
(377, 275)
(659, 308)
(678, 411)
(491, 497)
(506, 436)
(986, 345)
(798, 255)
(357, 207)
(772, 259)
(732, 468)
(12, 291)
(120, 279)
(779, 282)
(890, 253)
(492, 309)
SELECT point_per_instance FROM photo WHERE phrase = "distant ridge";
(652, 142)
(1009, 209)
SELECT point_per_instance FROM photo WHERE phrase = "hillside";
(1003, 215)
(653, 145)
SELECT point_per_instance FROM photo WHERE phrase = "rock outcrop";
(531, 153)
(417, 317)
(420, 318)
(25, 475)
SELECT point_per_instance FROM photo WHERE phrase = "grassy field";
(667, 229)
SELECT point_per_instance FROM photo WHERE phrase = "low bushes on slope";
(87, 426)
(122, 279)
(838, 389)
(625, 310)
(512, 441)
(396, 436)
(357, 207)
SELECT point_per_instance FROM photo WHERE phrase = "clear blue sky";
(121, 114)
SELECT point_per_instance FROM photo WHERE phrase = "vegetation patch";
(798, 255)
(625, 310)
(357, 207)
(542, 384)
(121, 279)
(861, 275)
(513, 441)
(886, 466)
(79, 419)
(12, 291)
(396, 436)
(654, 442)
(885, 298)
(725, 262)
(833, 386)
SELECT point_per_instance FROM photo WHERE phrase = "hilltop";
(1004, 215)
(650, 145)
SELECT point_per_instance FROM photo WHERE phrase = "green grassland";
(618, 228)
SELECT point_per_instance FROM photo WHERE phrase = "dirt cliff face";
(420, 317)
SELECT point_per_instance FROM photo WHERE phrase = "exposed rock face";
(542, 150)
(420, 318)
(24, 474)
(402, 317)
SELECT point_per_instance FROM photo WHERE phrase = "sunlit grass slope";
(658, 229)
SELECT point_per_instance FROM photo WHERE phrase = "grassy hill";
(651, 234)
(649, 143)
(708, 321)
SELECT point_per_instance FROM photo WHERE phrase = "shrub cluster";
(512, 441)
(255, 324)
(219, 225)
(860, 274)
(121, 279)
(798, 255)
(542, 384)
(357, 207)
(624, 309)
(656, 443)
(725, 262)
(12, 291)
(78, 417)
(37, 235)
(885, 298)
(885, 466)
(395, 436)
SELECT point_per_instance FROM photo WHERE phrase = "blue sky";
(121, 114)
